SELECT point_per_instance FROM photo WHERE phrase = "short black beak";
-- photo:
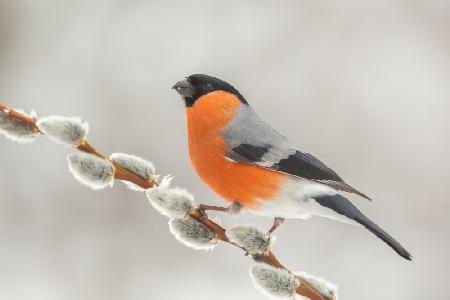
(184, 88)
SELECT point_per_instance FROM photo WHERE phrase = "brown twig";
(15, 114)
(121, 173)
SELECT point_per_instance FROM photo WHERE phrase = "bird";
(256, 168)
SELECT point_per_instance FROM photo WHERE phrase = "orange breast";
(233, 181)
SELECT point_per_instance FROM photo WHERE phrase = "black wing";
(297, 163)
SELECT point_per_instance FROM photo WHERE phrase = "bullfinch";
(252, 166)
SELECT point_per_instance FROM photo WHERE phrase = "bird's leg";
(234, 209)
(277, 222)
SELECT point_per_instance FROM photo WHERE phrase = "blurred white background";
(364, 85)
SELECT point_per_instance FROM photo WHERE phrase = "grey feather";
(251, 140)
(248, 128)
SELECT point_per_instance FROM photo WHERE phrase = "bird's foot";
(277, 222)
(233, 209)
(202, 211)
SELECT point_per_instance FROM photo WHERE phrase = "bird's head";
(195, 86)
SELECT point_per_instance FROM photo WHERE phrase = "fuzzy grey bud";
(275, 283)
(253, 240)
(135, 165)
(173, 203)
(64, 130)
(193, 234)
(323, 287)
(15, 129)
(93, 171)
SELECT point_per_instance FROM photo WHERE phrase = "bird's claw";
(202, 210)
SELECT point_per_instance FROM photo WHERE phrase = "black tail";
(386, 237)
(343, 206)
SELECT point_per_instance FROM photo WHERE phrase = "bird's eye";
(208, 87)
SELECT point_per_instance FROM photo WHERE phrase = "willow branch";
(120, 174)
(269, 258)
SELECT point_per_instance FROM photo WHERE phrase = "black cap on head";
(197, 85)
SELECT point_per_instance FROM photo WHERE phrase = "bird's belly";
(262, 191)
(244, 183)
(296, 199)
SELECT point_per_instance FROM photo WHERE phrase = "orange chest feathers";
(233, 181)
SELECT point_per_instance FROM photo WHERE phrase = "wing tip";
(363, 195)
(355, 191)
(345, 187)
